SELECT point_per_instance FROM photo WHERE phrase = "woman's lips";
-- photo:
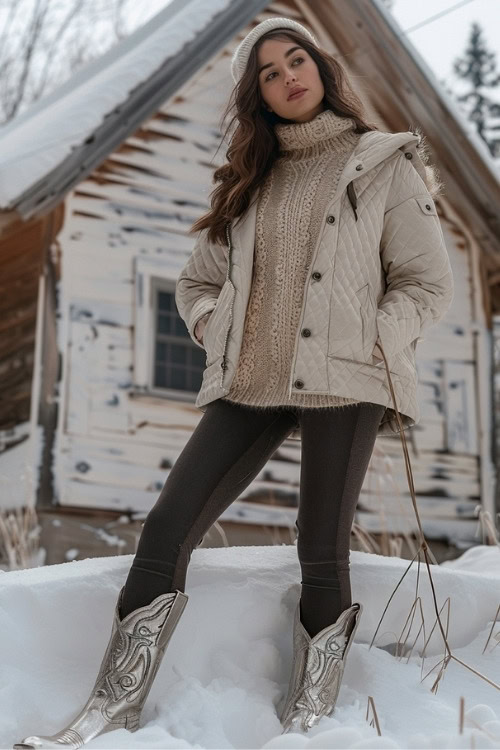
(297, 95)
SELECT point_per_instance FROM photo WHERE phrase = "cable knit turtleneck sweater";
(292, 202)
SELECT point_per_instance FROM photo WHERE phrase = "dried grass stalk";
(19, 537)
(371, 704)
(424, 548)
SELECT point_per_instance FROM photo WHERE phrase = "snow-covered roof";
(60, 139)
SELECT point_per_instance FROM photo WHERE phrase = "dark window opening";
(177, 362)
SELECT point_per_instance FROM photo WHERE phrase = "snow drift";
(227, 666)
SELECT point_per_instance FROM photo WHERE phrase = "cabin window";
(177, 363)
(167, 362)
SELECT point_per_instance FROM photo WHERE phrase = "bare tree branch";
(34, 29)
(42, 42)
(59, 37)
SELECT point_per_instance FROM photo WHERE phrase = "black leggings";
(223, 455)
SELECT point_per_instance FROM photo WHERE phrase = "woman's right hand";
(200, 327)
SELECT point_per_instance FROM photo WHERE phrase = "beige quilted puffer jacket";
(380, 276)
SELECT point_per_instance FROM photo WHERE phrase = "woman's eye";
(270, 74)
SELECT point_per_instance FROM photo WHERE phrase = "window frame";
(151, 276)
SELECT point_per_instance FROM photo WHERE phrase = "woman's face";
(282, 67)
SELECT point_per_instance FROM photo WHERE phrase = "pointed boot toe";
(129, 666)
(35, 742)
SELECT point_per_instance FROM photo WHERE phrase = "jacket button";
(330, 219)
(427, 207)
(359, 167)
(316, 275)
(306, 332)
(408, 155)
(299, 383)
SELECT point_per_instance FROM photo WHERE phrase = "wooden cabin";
(101, 182)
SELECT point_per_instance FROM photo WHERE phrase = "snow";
(37, 144)
(227, 666)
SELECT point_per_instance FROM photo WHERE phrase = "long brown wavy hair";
(254, 146)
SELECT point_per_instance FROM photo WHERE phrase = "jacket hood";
(375, 146)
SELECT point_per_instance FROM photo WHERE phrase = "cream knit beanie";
(242, 51)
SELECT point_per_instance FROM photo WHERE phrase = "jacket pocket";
(345, 319)
(353, 326)
(214, 335)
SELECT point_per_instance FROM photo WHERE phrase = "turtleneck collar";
(296, 136)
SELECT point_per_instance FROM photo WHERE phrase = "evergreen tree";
(478, 66)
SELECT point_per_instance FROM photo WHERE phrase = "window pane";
(194, 380)
(198, 357)
(179, 354)
(180, 328)
(161, 351)
(164, 300)
(177, 377)
(160, 377)
(163, 323)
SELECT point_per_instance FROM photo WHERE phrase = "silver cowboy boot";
(317, 670)
(128, 669)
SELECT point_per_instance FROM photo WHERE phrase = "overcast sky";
(440, 40)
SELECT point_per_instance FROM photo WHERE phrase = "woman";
(322, 258)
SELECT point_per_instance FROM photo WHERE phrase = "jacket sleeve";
(419, 280)
(200, 281)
